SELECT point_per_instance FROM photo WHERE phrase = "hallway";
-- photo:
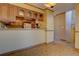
(52, 49)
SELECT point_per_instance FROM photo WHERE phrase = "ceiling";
(39, 5)
(58, 8)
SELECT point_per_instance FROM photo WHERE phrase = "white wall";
(17, 39)
(69, 19)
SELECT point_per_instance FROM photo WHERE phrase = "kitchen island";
(15, 39)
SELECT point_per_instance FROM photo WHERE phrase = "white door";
(50, 28)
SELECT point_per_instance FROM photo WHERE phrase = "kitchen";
(24, 26)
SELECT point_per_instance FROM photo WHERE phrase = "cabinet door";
(20, 12)
(26, 14)
(12, 12)
(4, 11)
(0, 11)
(41, 17)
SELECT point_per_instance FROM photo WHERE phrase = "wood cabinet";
(40, 17)
(7, 11)
(4, 11)
(35, 15)
(12, 12)
(28, 14)
(0, 11)
(20, 11)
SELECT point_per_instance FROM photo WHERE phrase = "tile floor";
(52, 49)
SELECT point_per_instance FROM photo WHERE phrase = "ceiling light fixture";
(50, 5)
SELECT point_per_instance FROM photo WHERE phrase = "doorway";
(64, 27)
(59, 25)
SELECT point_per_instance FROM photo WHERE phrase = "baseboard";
(14, 51)
(50, 42)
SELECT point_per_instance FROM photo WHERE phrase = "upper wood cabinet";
(12, 12)
(8, 11)
(4, 11)
(28, 14)
(20, 12)
(35, 15)
(41, 17)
